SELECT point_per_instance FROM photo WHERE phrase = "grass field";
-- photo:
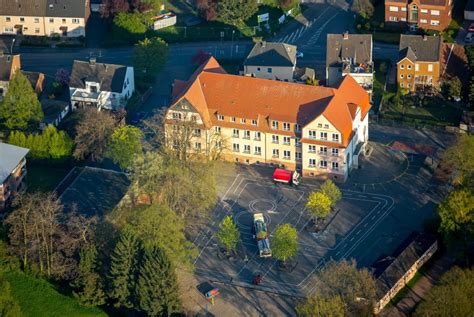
(39, 298)
(379, 80)
(44, 177)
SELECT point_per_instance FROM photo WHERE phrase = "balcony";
(357, 68)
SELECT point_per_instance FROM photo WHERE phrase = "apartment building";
(319, 131)
(350, 54)
(67, 18)
(12, 172)
(424, 14)
(418, 66)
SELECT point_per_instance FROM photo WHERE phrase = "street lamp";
(11, 48)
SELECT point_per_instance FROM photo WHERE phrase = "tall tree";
(284, 242)
(356, 287)
(236, 12)
(332, 191)
(319, 306)
(112, 7)
(125, 145)
(93, 134)
(363, 8)
(319, 205)
(157, 288)
(149, 56)
(9, 307)
(228, 234)
(460, 157)
(451, 296)
(20, 107)
(89, 285)
(123, 270)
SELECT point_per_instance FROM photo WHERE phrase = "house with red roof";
(317, 130)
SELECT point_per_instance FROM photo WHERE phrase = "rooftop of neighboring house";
(47, 8)
(93, 191)
(10, 156)
(388, 270)
(110, 76)
(271, 54)
(342, 47)
(211, 91)
(422, 2)
(421, 48)
(469, 6)
(6, 63)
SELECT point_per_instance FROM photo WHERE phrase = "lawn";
(39, 298)
(381, 69)
(44, 177)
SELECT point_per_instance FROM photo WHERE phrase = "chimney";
(346, 35)
(264, 44)
(92, 61)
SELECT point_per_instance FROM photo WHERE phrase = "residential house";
(318, 130)
(469, 11)
(12, 172)
(424, 14)
(350, 54)
(275, 61)
(67, 18)
(105, 86)
(9, 64)
(392, 273)
(418, 66)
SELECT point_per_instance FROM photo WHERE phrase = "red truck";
(287, 177)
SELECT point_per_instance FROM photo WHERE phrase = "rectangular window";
(434, 12)
(320, 125)
(404, 9)
(220, 117)
(64, 20)
(298, 156)
(37, 30)
(286, 140)
(335, 152)
(258, 150)
(246, 148)
(335, 166)
(286, 126)
(275, 125)
(423, 21)
(246, 134)
(274, 138)
(323, 164)
(8, 30)
(324, 136)
(312, 162)
(323, 150)
(8, 19)
(235, 133)
(51, 20)
(176, 115)
(269, 69)
(257, 136)
(217, 129)
(326, 126)
(236, 147)
(197, 146)
(197, 132)
(403, 19)
(417, 67)
(430, 67)
(276, 153)
(286, 155)
(297, 142)
(393, 9)
(393, 19)
(75, 21)
(242, 120)
(312, 134)
(193, 118)
(22, 19)
(434, 22)
(424, 11)
(335, 137)
(232, 119)
(312, 148)
(297, 127)
(254, 122)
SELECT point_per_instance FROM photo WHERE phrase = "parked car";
(468, 37)
(471, 27)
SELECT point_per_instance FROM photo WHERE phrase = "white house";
(105, 86)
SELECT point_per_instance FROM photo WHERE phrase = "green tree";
(363, 8)
(319, 205)
(332, 191)
(236, 12)
(159, 226)
(284, 242)
(9, 307)
(149, 56)
(88, 282)
(319, 306)
(451, 296)
(228, 234)
(123, 270)
(460, 157)
(125, 145)
(356, 287)
(20, 107)
(157, 287)
(132, 23)
(455, 87)
(457, 214)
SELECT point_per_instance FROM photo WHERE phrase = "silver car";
(468, 38)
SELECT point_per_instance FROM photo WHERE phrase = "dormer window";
(275, 125)
(93, 88)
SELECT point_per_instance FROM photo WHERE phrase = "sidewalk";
(407, 304)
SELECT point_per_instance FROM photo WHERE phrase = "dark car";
(137, 117)
(471, 27)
